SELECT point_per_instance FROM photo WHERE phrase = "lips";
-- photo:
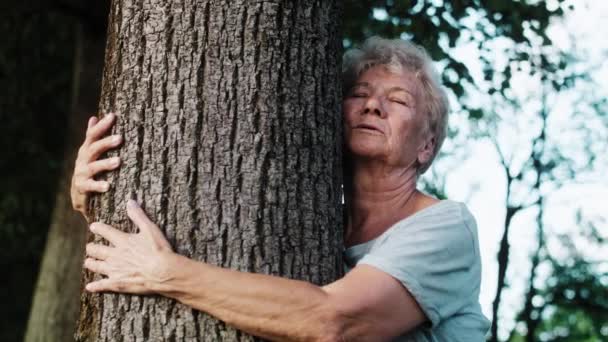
(370, 127)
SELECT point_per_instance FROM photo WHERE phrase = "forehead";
(381, 76)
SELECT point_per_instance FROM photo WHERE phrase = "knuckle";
(104, 186)
(89, 134)
(95, 167)
(108, 142)
(87, 170)
(78, 185)
(112, 162)
(83, 155)
(95, 151)
(78, 171)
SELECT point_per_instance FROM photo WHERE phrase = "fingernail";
(116, 139)
(93, 226)
(106, 187)
(115, 161)
(110, 115)
(133, 204)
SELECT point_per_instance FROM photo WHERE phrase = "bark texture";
(231, 118)
(55, 305)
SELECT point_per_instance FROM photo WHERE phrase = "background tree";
(36, 75)
(231, 119)
(55, 302)
(559, 95)
(565, 297)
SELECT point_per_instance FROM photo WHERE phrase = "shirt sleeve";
(435, 256)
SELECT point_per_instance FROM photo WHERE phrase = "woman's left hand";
(134, 263)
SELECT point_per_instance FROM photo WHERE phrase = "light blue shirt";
(435, 255)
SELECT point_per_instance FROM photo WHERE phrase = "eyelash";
(401, 102)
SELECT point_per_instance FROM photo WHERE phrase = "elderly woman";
(414, 267)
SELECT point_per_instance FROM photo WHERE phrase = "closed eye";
(400, 101)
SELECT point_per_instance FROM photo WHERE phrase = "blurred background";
(526, 150)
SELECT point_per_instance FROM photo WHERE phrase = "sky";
(479, 180)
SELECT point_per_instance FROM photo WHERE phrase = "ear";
(425, 151)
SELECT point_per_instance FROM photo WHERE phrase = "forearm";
(270, 307)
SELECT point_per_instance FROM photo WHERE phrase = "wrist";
(170, 276)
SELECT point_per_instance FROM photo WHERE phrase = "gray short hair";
(397, 55)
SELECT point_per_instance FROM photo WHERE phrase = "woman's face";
(380, 119)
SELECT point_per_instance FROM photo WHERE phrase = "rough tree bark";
(231, 118)
(55, 305)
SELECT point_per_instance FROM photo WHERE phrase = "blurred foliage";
(574, 305)
(440, 25)
(556, 148)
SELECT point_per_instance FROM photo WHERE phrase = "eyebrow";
(401, 89)
(392, 89)
(361, 84)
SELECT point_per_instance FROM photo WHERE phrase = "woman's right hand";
(87, 166)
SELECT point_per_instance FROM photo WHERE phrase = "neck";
(379, 196)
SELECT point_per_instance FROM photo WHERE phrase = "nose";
(373, 107)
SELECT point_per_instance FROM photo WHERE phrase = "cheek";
(347, 106)
(348, 114)
(404, 133)
(400, 129)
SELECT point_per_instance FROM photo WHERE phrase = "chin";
(366, 150)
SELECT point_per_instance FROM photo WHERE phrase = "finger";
(141, 220)
(99, 129)
(86, 185)
(125, 286)
(92, 121)
(97, 251)
(98, 286)
(96, 266)
(113, 235)
(96, 148)
(98, 166)
(137, 214)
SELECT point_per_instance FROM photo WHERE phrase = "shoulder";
(434, 253)
(450, 211)
(445, 222)
(441, 237)
(440, 241)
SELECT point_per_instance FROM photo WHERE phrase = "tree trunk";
(231, 118)
(54, 310)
